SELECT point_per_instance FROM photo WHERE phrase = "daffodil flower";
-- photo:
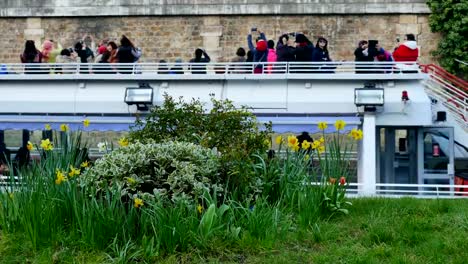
(356, 134)
(293, 143)
(74, 171)
(340, 124)
(307, 157)
(322, 125)
(305, 144)
(47, 127)
(137, 202)
(64, 127)
(30, 146)
(46, 145)
(279, 140)
(84, 164)
(321, 149)
(200, 209)
(123, 142)
(60, 177)
(86, 122)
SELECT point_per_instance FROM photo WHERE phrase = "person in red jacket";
(408, 51)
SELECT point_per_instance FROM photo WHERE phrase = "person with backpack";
(31, 55)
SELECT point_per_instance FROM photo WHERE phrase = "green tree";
(450, 18)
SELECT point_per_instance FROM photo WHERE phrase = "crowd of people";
(290, 47)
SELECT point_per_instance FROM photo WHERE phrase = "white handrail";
(263, 68)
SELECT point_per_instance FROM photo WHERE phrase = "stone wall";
(170, 37)
(67, 8)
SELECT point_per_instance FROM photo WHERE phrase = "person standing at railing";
(284, 51)
(200, 57)
(384, 56)
(408, 51)
(85, 54)
(239, 58)
(66, 57)
(126, 54)
(303, 53)
(31, 55)
(361, 55)
(47, 48)
(321, 54)
(259, 52)
(271, 56)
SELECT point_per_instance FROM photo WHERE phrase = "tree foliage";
(450, 18)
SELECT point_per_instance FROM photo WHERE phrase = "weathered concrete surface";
(171, 37)
(80, 8)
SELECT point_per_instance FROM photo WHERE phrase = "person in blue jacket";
(260, 51)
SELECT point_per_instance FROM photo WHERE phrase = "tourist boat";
(414, 117)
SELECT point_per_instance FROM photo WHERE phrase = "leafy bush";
(232, 132)
(170, 169)
(449, 18)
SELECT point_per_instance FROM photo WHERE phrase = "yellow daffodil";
(47, 127)
(86, 122)
(137, 202)
(84, 164)
(123, 142)
(60, 177)
(305, 144)
(321, 149)
(340, 124)
(307, 157)
(316, 144)
(293, 143)
(64, 127)
(74, 171)
(322, 125)
(199, 209)
(322, 140)
(356, 134)
(279, 140)
(46, 145)
(30, 146)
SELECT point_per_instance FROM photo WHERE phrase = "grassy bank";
(376, 231)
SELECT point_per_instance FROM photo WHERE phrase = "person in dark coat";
(126, 54)
(200, 57)
(31, 55)
(284, 52)
(303, 53)
(320, 54)
(361, 55)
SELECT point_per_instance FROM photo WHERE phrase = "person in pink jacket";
(271, 56)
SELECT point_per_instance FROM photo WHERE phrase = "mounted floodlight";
(369, 96)
(141, 97)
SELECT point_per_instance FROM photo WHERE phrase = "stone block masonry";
(172, 37)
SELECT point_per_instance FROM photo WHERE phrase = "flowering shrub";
(231, 131)
(176, 170)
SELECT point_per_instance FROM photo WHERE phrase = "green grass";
(376, 231)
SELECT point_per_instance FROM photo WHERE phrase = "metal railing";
(450, 90)
(216, 69)
(414, 190)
